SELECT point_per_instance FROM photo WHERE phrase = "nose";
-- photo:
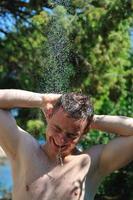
(62, 139)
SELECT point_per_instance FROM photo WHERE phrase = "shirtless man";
(56, 170)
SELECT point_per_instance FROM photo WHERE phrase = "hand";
(49, 101)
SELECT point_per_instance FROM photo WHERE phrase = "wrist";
(43, 100)
(95, 120)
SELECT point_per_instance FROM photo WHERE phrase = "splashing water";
(66, 4)
(55, 62)
(59, 158)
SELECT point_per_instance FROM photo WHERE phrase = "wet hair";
(77, 106)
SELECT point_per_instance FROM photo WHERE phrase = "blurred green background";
(61, 46)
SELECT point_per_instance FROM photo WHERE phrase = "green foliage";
(36, 127)
(97, 41)
(115, 184)
(19, 54)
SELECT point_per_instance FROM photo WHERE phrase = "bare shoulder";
(95, 153)
(116, 154)
(29, 154)
(13, 139)
(9, 134)
(104, 157)
(27, 141)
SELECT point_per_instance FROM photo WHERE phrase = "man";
(57, 170)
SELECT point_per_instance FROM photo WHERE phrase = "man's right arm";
(9, 137)
(10, 98)
(10, 134)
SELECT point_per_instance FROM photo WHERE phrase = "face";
(64, 132)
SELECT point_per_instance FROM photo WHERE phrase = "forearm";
(10, 98)
(119, 125)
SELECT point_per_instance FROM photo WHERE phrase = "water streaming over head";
(55, 62)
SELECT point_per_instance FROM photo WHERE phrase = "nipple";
(75, 193)
(27, 188)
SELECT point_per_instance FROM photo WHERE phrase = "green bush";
(36, 127)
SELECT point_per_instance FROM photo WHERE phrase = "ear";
(48, 111)
(88, 126)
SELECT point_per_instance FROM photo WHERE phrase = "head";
(68, 121)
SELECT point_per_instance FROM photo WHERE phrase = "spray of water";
(55, 60)
(67, 4)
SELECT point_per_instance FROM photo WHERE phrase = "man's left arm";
(119, 151)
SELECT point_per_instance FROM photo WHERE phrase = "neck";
(55, 157)
(51, 155)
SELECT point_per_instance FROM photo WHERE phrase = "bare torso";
(37, 178)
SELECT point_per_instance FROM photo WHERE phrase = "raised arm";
(119, 125)
(10, 134)
(10, 98)
(119, 151)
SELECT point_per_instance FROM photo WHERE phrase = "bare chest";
(57, 186)
(45, 183)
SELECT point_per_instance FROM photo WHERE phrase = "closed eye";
(57, 129)
(69, 135)
(72, 136)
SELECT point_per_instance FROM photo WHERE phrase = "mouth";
(59, 146)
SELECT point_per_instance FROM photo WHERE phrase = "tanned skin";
(36, 173)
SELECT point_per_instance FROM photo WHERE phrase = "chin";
(67, 153)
